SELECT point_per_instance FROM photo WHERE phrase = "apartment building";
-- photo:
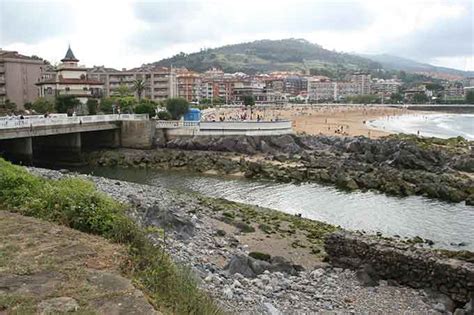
(160, 81)
(18, 76)
(188, 84)
(363, 81)
(385, 87)
(69, 79)
(319, 90)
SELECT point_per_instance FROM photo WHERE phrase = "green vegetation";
(249, 100)
(363, 99)
(77, 204)
(92, 105)
(146, 107)
(43, 105)
(123, 90)
(140, 86)
(420, 98)
(177, 107)
(453, 145)
(7, 107)
(164, 115)
(66, 104)
(470, 97)
(269, 55)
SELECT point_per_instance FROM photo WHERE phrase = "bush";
(177, 107)
(106, 105)
(92, 105)
(66, 103)
(164, 115)
(145, 108)
(43, 105)
(76, 203)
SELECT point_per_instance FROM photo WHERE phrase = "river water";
(442, 222)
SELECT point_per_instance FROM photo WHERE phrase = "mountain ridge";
(295, 54)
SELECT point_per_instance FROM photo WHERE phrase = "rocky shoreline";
(398, 165)
(216, 238)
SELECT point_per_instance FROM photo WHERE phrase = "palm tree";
(139, 86)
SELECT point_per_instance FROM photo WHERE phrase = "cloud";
(447, 36)
(33, 21)
(180, 22)
(128, 33)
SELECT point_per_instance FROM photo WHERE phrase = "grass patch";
(77, 204)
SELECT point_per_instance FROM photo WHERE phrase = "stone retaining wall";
(415, 267)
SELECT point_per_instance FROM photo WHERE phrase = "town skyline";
(157, 30)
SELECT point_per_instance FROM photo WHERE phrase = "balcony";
(2, 91)
(2, 69)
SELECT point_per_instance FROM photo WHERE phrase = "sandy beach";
(327, 120)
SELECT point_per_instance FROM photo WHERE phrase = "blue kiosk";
(193, 114)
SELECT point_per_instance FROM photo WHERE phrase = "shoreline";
(210, 247)
(330, 120)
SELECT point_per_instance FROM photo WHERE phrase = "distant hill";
(391, 62)
(269, 55)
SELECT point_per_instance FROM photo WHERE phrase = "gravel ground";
(322, 290)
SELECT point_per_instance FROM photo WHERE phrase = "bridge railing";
(28, 121)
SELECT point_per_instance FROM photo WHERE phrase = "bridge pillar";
(18, 150)
(64, 148)
(100, 139)
(137, 134)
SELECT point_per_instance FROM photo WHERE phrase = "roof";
(69, 56)
(70, 81)
(16, 55)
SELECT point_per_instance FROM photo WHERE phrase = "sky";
(128, 33)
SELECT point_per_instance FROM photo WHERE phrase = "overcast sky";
(129, 33)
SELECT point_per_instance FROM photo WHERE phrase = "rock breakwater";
(439, 169)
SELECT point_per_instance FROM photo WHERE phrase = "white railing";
(16, 122)
(166, 124)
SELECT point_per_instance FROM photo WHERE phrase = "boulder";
(61, 305)
(250, 267)
(169, 220)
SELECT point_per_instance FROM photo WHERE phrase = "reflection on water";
(439, 221)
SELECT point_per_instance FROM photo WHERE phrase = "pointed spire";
(69, 56)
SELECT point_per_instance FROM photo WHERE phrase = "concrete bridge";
(63, 139)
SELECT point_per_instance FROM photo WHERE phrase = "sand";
(327, 120)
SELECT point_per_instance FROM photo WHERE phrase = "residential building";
(363, 81)
(294, 85)
(321, 91)
(18, 76)
(160, 81)
(385, 87)
(70, 79)
(188, 84)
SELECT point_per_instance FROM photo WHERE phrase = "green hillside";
(270, 55)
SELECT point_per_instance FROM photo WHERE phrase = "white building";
(70, 79)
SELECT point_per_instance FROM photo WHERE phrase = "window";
(67, 88)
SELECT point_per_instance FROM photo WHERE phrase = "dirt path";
(46, 268)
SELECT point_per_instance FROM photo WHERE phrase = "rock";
(367, 276)
(316, 274)
(228, 293)
(270, 309)
(169, 220)
(220, 233)
(250, 267)
(439, 307)
(62, 304)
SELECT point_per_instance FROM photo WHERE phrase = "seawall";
(415, 267)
